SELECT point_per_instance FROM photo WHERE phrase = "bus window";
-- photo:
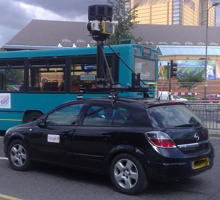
(146, 68)
(46, 75)
(11, 75)
(83, 66)
(84, 72)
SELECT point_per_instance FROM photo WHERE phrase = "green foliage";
(189, 97)
(125, 19)
(189, 80)
(14, 76)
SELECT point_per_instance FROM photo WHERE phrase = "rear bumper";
(175, 171)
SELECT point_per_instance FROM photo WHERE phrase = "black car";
(133, 141)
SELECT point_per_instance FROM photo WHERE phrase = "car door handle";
(106, 135)
(68, 132)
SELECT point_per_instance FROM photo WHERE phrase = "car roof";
(133, 102)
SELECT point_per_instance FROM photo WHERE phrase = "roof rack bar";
(111, 91)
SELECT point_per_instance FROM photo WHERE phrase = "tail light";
(160, 139)
(205, 133)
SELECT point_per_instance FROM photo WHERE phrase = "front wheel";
(18, 156)
(128, 175)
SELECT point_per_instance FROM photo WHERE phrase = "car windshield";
(170, 116)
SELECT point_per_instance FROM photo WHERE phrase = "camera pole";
(100, 64)
(100, 28)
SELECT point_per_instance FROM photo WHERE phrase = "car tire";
(18, 156)
(32, 116)
(128, 175)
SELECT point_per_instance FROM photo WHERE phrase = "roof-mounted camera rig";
(100, 27)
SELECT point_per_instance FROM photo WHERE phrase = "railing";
(207, 111)
(212, 87)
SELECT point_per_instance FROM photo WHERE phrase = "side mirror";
(42, 123)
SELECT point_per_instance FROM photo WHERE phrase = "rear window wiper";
(186, 125)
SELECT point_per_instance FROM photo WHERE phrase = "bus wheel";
(31, 117)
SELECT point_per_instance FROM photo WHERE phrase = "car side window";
(121, 116)
(105, 116)
(99, 116)
(66, 115)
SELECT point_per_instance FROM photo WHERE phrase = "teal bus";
(34, 81)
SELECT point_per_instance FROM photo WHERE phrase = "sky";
(16, 14)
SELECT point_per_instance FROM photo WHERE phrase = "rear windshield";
(170, 116)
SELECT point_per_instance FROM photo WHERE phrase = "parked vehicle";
(164, 95)
(133, 141)
(214, 98)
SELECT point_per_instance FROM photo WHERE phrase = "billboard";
(198, 66)
(192, 66)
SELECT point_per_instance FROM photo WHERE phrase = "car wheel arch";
(16, 136)
(128, 149)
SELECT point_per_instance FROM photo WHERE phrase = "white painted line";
(3, 158)
(8, 197)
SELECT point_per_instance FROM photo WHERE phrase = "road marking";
(8, 197)
(218, 138)
(3, 158)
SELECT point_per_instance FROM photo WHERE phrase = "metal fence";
(208, 112)
(199, 88)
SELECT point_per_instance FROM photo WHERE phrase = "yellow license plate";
(200, 163)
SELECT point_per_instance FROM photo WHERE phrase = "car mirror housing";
(41, 123)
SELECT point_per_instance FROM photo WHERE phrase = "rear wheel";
(32, 116)
(18, 156)
(128, 175)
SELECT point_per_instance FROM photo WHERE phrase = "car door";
(52, 141)
(95, 136)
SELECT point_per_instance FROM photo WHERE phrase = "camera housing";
(93, 26)
(100, 26)
(100, 12)
(107, 28)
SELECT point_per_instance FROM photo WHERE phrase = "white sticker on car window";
(53, 138)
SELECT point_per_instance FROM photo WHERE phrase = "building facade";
(175, 12)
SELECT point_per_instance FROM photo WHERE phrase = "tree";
(14, 76)
(125, 19)
(190, 80)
